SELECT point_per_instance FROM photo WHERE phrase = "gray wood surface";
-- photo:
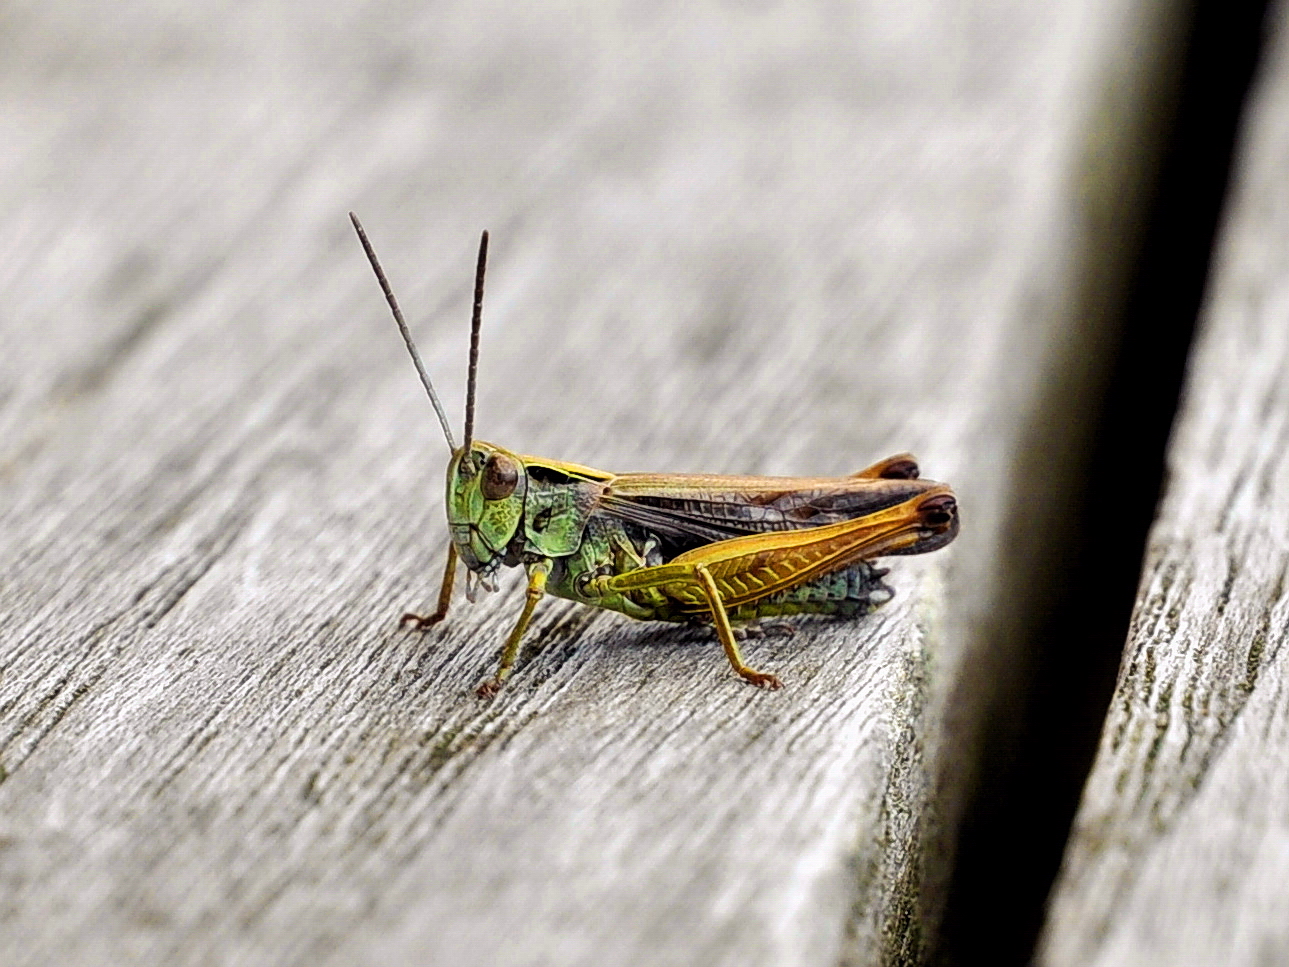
(1180, 852)
(783, 240)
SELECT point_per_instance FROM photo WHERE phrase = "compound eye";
(500, 477)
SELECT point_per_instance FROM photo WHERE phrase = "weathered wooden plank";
(729, 241)
(1180, 851)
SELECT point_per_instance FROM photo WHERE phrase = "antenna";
(476, 321)
(407, 336)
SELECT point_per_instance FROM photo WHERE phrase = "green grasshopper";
(671, 547)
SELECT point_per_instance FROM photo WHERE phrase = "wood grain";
(1180, 851)
(781, 240)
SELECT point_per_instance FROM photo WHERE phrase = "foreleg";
(425, 623)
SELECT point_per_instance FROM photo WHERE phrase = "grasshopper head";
(485, 500)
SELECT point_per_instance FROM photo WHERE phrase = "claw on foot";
(488, 689)
(762, 679)
(419, 622)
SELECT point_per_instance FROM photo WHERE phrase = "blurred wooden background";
(760, 239)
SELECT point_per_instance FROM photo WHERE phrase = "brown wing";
(690, 510)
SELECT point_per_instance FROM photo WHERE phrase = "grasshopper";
(723, 550)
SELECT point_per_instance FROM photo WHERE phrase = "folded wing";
(687, 511)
